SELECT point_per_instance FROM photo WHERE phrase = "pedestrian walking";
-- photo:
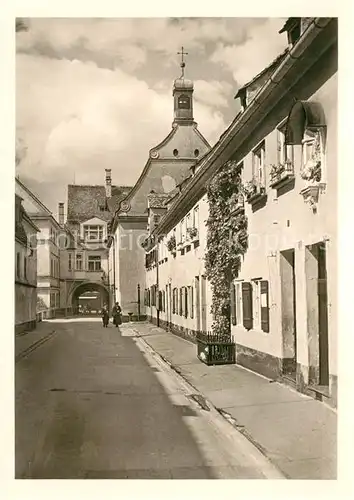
(105, 316)
(117, 314)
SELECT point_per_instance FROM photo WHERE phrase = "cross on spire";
(183, 64)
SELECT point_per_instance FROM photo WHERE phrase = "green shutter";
(247, 305)
(265, 306)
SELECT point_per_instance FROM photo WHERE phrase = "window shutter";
(185, 301)
(247, 305)
(191, 302)
(265, 306)
(233, 304)
(180, 302)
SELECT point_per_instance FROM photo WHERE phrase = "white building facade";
(284, 144)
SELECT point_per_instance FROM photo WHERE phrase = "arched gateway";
(89, 297)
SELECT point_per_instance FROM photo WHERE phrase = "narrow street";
(98, 403)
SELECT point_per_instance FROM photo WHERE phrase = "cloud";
(97, 93)
(77, 117)
(215, 93)
(111, 41)
(263, 44)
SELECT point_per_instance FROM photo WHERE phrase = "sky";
(97, 93)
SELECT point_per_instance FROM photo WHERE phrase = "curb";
(206, 405)
(25, 352)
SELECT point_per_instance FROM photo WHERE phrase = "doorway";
(322, 316)
(288, 312)
(317, 313)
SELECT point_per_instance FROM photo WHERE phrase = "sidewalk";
(297, 433)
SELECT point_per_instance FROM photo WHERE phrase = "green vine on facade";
(227, 241)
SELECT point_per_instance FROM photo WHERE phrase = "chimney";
(61, 214)
(108, 183)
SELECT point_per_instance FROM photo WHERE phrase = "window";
(94, 263)
(94, 233)
(256, 304)
(184, 102)
(182, 231)
(264, 306)
(181, 302)
(285, 151)
(18, 265)
(294, 33)
(79, 262)
(175, 152)
(196, 217)
(259, 164)
(70, 262)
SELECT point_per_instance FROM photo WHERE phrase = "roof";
(86, 201)
(34, 197)
(272, 65)
(182, 83)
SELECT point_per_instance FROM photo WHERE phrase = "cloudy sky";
(97, 93)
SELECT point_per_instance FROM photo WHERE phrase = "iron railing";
(215, 349)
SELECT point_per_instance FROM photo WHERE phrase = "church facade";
(169, 163)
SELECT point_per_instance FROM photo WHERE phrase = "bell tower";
(183, 96)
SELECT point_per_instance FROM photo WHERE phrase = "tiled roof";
(85, 201)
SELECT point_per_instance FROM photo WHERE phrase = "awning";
(303, 115)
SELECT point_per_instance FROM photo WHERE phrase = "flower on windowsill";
(192, 232)
(312, 170)
(249, 188)
(280, 168)
(171, 244)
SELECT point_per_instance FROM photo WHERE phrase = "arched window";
(184, 102)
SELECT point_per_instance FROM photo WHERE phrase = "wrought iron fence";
(215, 349)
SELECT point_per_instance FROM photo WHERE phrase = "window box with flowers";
(171, 244)
(281, 174)
(192, 234)
(311, 171)
(254, 191)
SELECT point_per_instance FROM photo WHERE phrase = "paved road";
(95, 403)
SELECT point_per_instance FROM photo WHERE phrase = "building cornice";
(268, 96)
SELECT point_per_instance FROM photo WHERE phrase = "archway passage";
(89, 298)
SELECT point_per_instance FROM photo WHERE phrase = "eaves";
(240, 129)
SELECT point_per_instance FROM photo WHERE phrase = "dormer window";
(93, 233)
(293, 29)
